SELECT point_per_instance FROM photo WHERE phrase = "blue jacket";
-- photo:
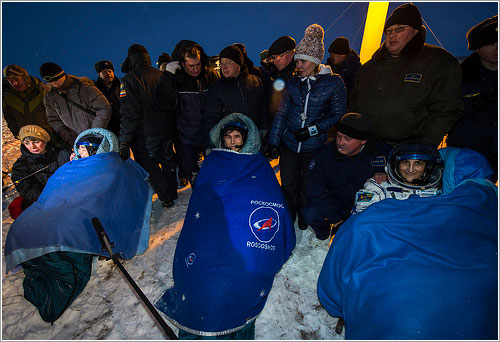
(326, 105)
(425, 268)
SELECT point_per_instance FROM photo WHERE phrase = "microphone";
(239, 146)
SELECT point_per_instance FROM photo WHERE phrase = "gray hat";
(355, 125)
(311, 47)
(484, 33)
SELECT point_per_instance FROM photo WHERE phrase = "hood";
(184, 45)
(134, 61)
(109, 142)
(252, 145)
(411, 48)
(462, 165)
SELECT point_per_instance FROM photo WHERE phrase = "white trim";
(307, 58)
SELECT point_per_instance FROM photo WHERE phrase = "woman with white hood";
(314, 100)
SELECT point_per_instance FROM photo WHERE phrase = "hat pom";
(315, 32)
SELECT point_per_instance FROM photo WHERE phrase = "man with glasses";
(409, 89)
(73, 104)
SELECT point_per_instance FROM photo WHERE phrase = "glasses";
(280, 56)
(398, 29)
(54, 78)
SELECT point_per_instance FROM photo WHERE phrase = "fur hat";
(34, 131)
(484, 33)
(406, 14)
(340, 46)
(102, 65)
(12, 70)
(233, 53)
(281, 45)
(51, 72)
(355, 126)
(311, 47)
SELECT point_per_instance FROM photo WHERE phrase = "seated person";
(425, 268)
(413, 169)
(237, 235)
(38, 161)
(54, 241)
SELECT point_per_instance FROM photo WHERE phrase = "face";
(57, 83)
(18, 83)
(229, 68)
(395, 41)
(107, 75)
(411, 169)
(233, 139)
(337, 59)
(82, 151)
(489, 53)
(283, 59)
(34, 146)
(348, 146)
(305, 68)
(163, 67)
(192, 66)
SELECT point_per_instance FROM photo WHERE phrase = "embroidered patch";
(312, 164)
(364, 196)
(123, 92)
(414, 78)
(264, 223)
(378, 161)
(190, 259)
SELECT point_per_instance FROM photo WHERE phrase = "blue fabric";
(102, 186)
(423, 268)
(237, 234)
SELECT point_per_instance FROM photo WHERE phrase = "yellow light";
(374, 28)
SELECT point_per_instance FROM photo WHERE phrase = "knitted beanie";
(281, 45)
(355, 126)
(484, 33)
(34, 131)
(102, 65)
(233, 53)
(51, 72)
(311, 47)
(12, 70)
(406, 14)
(340, 46)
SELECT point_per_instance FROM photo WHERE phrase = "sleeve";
(371, 193)
(166, 95)
(100, 104)
(280, 120)
(53, 119)
(10, 118)
(29, 188)
(337, 106)
(353, 96)
(130, 112)
(212, 113)
(445, 104)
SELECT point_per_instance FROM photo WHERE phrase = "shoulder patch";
(312, 164)
(363, 196)
(123, 92)
(413, 78)
(379, 161)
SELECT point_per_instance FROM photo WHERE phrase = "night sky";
(76, 35)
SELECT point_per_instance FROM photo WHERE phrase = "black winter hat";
(340, 46)
(164, 58)
(484, 33)
(281, 45)
(233, 53)
(51, 72)
(406, 14)
(101, 65)
(355, 125)
(136, 48)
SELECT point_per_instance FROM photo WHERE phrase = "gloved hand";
(124, 151)
(272, 152)
(302, 134)
(173, 66)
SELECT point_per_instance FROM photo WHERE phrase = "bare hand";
(380, 177)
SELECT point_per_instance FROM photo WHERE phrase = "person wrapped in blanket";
(413, 169)
(237, 234)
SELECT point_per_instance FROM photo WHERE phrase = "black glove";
(272, 152)
(302, 134)
(124, 151)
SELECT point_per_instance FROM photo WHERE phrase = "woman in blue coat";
(313, 102)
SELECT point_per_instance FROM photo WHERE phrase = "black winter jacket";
(347, 70)
(31, 187)
(113, 95)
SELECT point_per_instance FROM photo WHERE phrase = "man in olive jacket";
(410, 90)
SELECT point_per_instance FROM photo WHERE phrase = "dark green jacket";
(26, 108)
(414, 97)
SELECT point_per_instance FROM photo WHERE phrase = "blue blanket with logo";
(102, 186)
(237, 234)
(424, 268)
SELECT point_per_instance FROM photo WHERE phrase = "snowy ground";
(108, 308)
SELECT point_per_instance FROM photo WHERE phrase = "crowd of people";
(347, 136)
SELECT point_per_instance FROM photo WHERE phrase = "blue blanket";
(237, 234)
(102, 186)
(422, 268)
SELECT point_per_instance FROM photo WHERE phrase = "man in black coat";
(109, 85)
(344, 61)
(146, 128)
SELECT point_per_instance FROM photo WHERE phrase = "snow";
(109, 309)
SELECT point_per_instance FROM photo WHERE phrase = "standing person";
(344, 61)
(478, 129)
(410, 90)
(23, 101)
(73, 103)
(252, 69)
(146, 128)
(109, 85)
(163, 60)
(236, 91)
(312, 103)
(236, 236)
(182, 90)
